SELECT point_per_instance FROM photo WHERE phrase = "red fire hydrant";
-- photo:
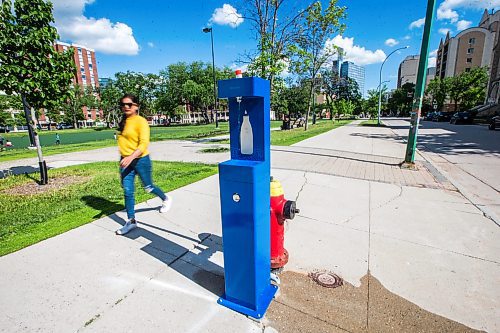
(281, 209)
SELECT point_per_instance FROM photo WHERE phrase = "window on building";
(472, 41)
(470, 50)
(469, 60)
(89, 115)
(79, 51)
(467, 69)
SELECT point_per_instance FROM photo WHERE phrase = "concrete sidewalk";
(415, 255)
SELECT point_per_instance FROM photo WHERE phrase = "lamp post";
(207, 30)
(380, 82)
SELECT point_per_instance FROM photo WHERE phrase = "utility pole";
(420, 86)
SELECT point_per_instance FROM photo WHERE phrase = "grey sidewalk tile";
(60, 283)
(315, 245)
(436, 219)
(182, 298)
(458, 287)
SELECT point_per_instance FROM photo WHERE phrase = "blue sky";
(148, 35)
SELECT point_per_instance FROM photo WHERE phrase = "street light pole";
(206, 30)
(380, 82)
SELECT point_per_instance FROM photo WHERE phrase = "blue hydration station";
(244, 195)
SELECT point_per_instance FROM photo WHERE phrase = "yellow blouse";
(134, 136)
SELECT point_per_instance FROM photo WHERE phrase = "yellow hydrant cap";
(276, 189)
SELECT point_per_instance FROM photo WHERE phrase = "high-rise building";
(472, 47)
(407, 72)
(492, 23)
(86, 75)
(355, 72)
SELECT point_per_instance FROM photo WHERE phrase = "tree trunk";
(44, 178)
(308, 107)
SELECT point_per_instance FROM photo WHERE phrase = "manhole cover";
(327, 279)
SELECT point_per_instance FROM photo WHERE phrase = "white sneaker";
(165, 206)
(127, 227)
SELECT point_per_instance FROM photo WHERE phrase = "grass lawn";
(371, 123)
(289, 137)
(87, 139)
(75, 196)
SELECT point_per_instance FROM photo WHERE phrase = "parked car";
(4, 129)
(462, 118)
(429, 116)
(62, 126)
(494, 123)
(441, 116)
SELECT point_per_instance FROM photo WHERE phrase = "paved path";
(415, 254)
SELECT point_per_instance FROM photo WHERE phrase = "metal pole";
(420, 86)
(380, 83)
(215, 81)
(27, 116)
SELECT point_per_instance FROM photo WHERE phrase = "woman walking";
(133, 141)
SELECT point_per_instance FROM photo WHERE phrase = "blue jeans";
(143, 167)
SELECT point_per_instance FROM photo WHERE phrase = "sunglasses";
(127, 104)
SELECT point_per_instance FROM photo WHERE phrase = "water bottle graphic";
(246, 136)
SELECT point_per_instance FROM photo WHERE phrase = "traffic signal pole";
(420, 86)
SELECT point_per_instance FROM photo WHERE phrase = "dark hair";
(135, 99)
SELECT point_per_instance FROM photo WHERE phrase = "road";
(468, 154)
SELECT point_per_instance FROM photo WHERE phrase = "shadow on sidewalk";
(196, 267)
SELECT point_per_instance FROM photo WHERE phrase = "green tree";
(144, 86)
(78, 98)
(438, 90)
(311, 53)
(402, 99)
(275, 23)
(30, 65)
(108, 103)
(344, 107)
(370, 104)
(296, 97)
(191, 84)
(469, 88)
(7, 103)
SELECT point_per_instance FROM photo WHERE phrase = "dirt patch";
(305, 306)
(33, 188)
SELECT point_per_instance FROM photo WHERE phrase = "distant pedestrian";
(133, 141)
(114, 135)
(58, 139)
(8, 144)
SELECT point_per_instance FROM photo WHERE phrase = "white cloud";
(417, 24)
(431, 62)
(463, 24)
(151, 44)
(407, 37)
(447, 9)
(227, 15)
(357, 54)
(433, 53)
(391, 42)
(99, 34)
(444, 31)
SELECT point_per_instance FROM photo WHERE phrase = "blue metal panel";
(245, 203)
